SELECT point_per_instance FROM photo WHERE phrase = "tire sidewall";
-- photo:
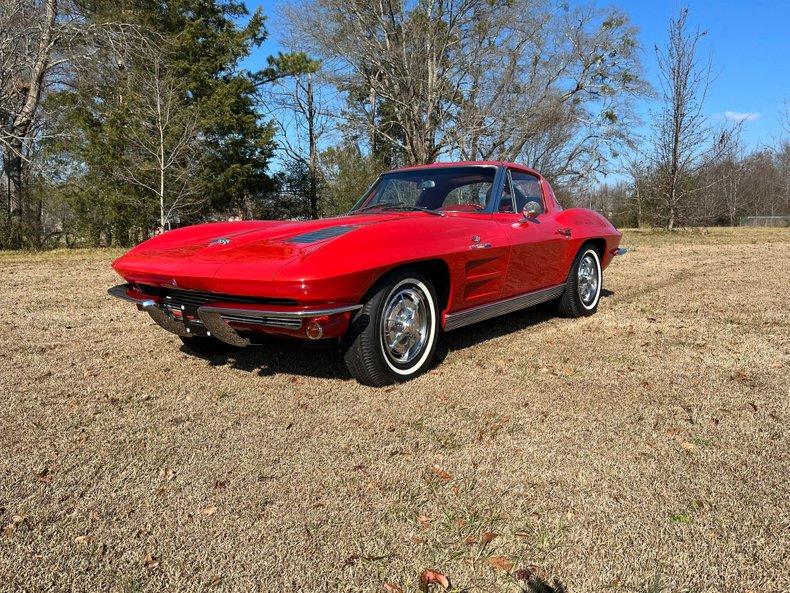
(406, 371)
(584, 251)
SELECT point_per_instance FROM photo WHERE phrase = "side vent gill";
(321, 234)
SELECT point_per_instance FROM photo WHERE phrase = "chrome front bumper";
(216, 320)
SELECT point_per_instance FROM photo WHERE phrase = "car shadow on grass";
(324, 360)
(282, 356)
(498, 327)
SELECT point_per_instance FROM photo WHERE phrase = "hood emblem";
(220, 241)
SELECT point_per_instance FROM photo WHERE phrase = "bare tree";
(480, 79)
(301, 110)
(407, 54)
(27, 39)
(554, 89)
(164, 148)
(683, 141)
(42, 44)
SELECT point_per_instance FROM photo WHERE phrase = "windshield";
(437, 188)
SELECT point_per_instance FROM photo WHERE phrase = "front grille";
(188, 301)
(284, 322)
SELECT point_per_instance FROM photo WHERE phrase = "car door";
(538, 245)
(480, 265)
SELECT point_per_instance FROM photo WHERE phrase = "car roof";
(470, 163)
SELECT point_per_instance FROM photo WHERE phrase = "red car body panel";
(487, 257)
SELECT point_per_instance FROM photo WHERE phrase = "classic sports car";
(426, 249)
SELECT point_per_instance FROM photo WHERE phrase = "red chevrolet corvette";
(426, 249)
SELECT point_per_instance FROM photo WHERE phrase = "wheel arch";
(600, 247)
(436, 270)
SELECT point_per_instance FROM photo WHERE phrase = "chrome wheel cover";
(588, 279)
(405, 325)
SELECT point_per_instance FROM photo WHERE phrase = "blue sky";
(748, 42)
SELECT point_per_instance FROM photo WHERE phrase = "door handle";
(565, 233)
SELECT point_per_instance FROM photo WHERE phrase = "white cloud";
(738, 116)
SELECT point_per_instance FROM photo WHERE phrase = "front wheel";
(583, 287)
(393, 337)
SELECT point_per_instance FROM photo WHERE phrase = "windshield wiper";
(397, 206)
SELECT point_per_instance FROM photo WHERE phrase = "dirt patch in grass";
(643, 449)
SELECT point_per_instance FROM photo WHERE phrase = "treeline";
(736, 187)
(119, 119)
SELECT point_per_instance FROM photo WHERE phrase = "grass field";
(644, 449)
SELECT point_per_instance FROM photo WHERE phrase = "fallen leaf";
(460, 522)
(208, 510)
(739, 376)
(686, 445)
(82, 539)
(777, 365)
(424, 520)
(431, 577)
(151, 561)
(501, 563)
(470, 539)
(219, 485)
(530, 572)
(392, 588)
(673, 432)
(487, 538)
(215, 580)
(648, 384)
(440, 473)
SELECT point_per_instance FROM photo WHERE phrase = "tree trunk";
(313, 165)
(26, 220)
(13, 166)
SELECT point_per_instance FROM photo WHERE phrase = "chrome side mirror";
(531, 209)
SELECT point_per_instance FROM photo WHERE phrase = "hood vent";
(321, 234)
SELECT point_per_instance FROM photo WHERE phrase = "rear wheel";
(393, 337)
(207, 346)
(583, 287)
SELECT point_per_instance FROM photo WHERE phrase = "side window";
(506, 201)
(526, 188)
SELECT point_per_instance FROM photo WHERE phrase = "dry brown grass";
(643, 449)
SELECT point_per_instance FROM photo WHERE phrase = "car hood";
(204, 256)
